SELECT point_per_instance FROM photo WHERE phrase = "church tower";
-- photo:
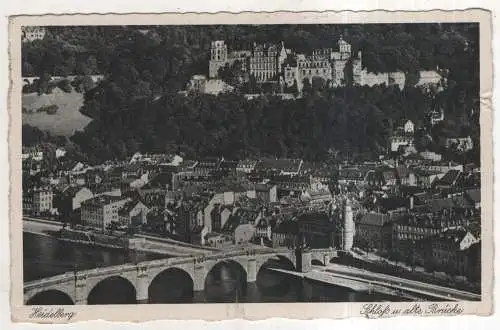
(349, 229)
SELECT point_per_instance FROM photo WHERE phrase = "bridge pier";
(199, 277)
(142, 285)
(252, 270)
(304, 259)
(81, 290)
(326, 259)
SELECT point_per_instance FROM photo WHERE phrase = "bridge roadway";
(78, 286)
(397, 283)
(152, 244)
(346, 282)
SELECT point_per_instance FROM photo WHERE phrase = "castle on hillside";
(274, 63)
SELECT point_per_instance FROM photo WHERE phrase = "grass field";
(66, 121)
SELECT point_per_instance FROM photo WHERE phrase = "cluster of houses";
(402, 139)
(426, 209)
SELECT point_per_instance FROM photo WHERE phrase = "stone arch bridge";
(77, 286)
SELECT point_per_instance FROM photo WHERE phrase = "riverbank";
(50, 228)
(41, 227)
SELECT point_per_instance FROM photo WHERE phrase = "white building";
(102, 210)
(409, 127)
(33, 153)
(31, 33)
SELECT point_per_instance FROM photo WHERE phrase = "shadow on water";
(171, 286)
(111, 291)
(226, 282)
(45, 256)
(50, 297)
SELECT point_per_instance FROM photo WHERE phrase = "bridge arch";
(50, 297)
(226, 280)
(317, 262)
(288, 258)
(278, 260)
(171, 285)
(274, 284)
(112, 290)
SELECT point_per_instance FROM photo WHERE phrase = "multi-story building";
(316, 66)
(450, 252)
(33, 153)
(42, 200)
(246, 166)
(31, 33)
(101, 210)
(266, 193)
(266, 61)
(285, 234)
(400, 140)
(374, 230)
(76, 195)
(326, 63)
(317, 230)
(133, 213)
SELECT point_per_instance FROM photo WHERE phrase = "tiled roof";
(103, 200)
(450, 177)
(375, 219)
(72, 190)
(288, 165)
(287, 227)
(474, 195)
(403, 172)
(128, 206)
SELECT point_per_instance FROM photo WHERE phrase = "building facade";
(100, 211)
(42, 200)
(31, 33)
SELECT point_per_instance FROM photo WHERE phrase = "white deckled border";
(254, 311)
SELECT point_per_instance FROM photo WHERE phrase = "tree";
(318, 84)
(64, 85)
(112, 227)
(306, 87)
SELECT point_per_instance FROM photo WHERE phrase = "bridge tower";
(303, 256)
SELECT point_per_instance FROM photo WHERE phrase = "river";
(46, 256)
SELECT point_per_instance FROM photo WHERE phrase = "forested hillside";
(137, 106)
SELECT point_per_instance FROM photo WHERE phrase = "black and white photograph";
(264, 163)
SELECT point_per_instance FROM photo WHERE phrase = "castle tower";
(218, 57)
(348, 238)
(357, 68)
(344, 49)
(340, 60)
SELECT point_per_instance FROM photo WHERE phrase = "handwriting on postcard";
(50, 313)
(387, 310)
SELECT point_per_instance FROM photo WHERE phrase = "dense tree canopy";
(137, 107)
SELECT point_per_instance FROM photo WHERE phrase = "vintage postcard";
(254, 165)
